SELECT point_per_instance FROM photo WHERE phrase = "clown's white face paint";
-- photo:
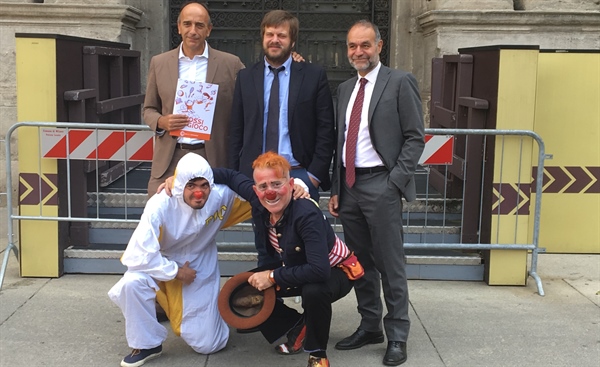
(273, 191)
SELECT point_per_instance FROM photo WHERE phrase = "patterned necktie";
(272, 133)
(274, 241)
(353, 133)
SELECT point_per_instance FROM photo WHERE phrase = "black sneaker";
(138, 357)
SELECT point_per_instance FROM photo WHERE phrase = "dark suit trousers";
(371, 214)
(316, 302)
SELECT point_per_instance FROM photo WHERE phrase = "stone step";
(120, 233)
(105, 201)
(245, 255)
(443, 267)
(247, 227)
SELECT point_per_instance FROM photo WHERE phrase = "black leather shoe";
(360, 338)
(395, 354)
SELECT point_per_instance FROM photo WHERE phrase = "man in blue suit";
(304, 131)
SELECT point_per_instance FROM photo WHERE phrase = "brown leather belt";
(369, 170)
(296, 167)
(190, 146)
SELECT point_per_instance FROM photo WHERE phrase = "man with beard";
(380, 140)
(295, 121)
(301, 117)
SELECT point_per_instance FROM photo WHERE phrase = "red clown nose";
(271, 195)
(198, 195)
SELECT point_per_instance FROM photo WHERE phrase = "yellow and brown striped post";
(38, 194)
(567, 116)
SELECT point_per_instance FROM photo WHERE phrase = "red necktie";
(353, 133)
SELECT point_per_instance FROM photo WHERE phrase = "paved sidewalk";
(71, 322)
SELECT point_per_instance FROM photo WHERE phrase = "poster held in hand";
(197, 100)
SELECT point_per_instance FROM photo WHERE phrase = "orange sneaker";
(295, 341)
(317, 362)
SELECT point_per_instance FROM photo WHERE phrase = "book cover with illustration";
(198, 101)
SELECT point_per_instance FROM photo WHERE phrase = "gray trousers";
(371, 213)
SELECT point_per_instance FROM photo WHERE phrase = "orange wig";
(272, 161)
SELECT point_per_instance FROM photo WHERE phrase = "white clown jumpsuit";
(170, 233)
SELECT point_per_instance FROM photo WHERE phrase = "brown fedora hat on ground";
(242, 306)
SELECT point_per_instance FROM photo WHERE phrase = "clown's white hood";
(170, 232)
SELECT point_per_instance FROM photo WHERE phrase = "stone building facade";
(420, 30)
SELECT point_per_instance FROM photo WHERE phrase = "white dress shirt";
(366, 156)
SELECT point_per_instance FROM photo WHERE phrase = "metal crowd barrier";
(12, 243)
(536, 186)
(429, 199)
(5, 217)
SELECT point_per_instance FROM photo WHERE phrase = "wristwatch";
(271, 277)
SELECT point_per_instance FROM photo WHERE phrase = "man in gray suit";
(380, 139)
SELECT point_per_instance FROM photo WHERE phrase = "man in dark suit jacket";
(306, 123)
(369, 182)
(195, 59)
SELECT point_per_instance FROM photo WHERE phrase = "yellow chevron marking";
(571, 182)
(51, 193)
(27, 192)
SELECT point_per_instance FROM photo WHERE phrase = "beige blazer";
(160, 95)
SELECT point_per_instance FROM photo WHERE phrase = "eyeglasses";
(274, 185)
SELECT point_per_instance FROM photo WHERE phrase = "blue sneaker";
(138, 357)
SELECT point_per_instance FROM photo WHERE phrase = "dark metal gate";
(323, 27)
(452, 106)
(107, 90)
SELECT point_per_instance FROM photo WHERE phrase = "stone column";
(467, 4)
(443, 26)
(108, 20)
(559, 5)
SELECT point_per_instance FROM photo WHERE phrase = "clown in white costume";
(172, 258)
